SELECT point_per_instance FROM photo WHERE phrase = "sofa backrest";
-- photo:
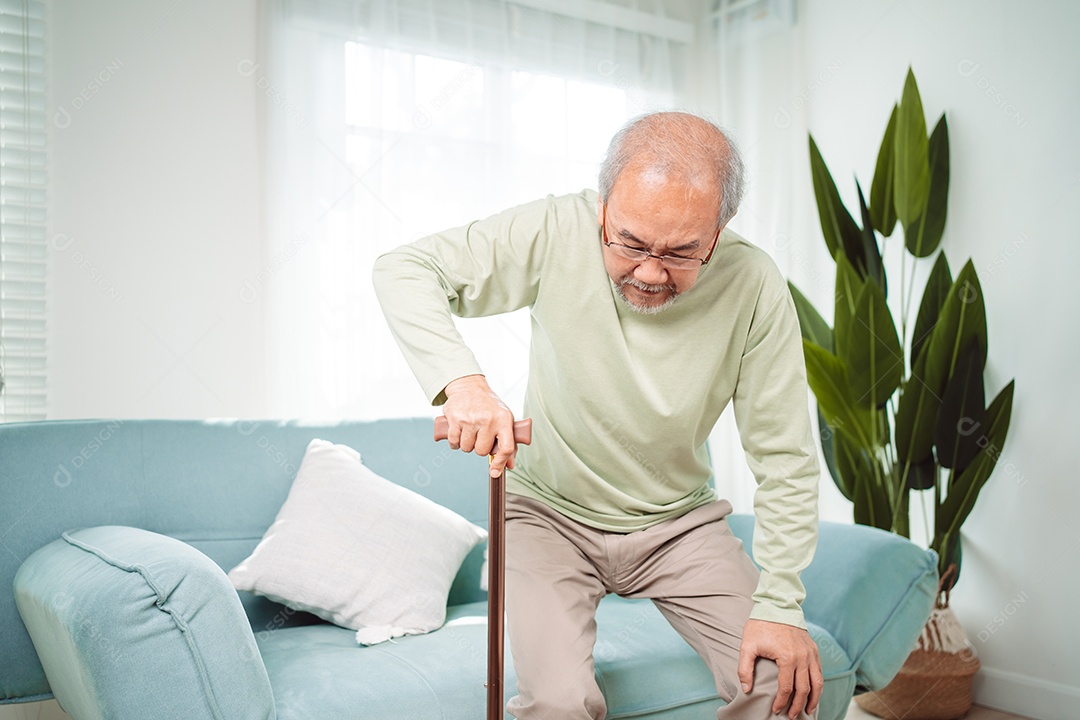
(215, 484)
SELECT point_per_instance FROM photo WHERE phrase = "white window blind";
(23, 259)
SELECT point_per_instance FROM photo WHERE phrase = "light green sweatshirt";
(622, 403)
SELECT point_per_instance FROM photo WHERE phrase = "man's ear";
(725, 225)
(599, 211)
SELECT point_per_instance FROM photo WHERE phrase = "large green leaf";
(839, 229)
(916, 416)
(882, 205)
(828, 449)
(937, 288)
(951, 555)
(848, 287)
(827, 377)
(922, 475)
(901, 525)
(924, 235)
(871, 500)
(853, 464)
(872, 352)
(963, 317)
(813, 326)
(964, 490)
(912, 164)
(884, 426)
(871, 254)
(961, 412)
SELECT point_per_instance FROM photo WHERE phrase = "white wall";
(155, 210)
(156, 222)
(1006, 75)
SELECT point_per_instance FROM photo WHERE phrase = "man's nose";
(651, 271)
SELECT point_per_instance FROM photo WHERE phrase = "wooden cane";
(496, 569)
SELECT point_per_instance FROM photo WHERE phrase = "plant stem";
(894, 458)
(876, 459)
(945, 534)
(888, 477)
(937, 496)
(903, 527)
(910, 294)
(903, 305)
(901, 488)
(925, 519)
(901, 482)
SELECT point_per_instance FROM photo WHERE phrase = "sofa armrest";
(870, 589)
(129, 623)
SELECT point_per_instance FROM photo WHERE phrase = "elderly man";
(648, 318)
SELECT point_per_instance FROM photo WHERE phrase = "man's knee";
(560, 704)
(766, 677)
(757, 704)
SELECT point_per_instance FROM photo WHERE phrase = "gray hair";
(679, 143)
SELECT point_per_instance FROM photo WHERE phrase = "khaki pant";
(557, 570)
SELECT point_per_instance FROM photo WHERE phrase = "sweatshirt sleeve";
(772, 414)
(484, 268)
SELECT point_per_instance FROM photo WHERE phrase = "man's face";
(647, 211)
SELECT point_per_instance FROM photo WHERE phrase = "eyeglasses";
(672, 262)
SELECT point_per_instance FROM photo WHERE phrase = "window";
(382, 137)
(23, 258)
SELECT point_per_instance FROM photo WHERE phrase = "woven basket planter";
(936, 680)
(930, 686)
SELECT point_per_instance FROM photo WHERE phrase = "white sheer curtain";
(388, 121)
(763, 93)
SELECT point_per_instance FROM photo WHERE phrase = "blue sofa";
(115, 536)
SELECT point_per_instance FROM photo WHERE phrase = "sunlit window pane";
(432, 143)
(538, 115)
(593, 111)
(450, 97)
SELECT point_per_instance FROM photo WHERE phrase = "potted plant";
(903, 410)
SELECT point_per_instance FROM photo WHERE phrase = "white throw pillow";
(358, 550)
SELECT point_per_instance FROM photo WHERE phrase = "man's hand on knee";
(796, 656)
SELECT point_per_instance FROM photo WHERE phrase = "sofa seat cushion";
(644, 668)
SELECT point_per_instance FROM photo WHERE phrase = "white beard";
(645, 309)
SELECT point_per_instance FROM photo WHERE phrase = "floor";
(977, 713)
(51, 711)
